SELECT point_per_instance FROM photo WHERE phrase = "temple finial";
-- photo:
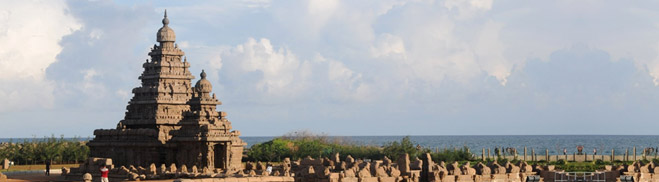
(165, 21)
(203, 74)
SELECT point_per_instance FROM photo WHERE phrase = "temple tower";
(169, 121)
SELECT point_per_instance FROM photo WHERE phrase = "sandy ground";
(52, 177)
(42, 177)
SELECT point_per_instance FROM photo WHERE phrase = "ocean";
(554, 143)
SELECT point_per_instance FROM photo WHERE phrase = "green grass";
(37, 167)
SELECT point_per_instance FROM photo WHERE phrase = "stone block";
(349, 179)
(499, 178)
(387, 179)
(449, 178)
(368, 179)
(206, 180)
(254, 179)
(514, 177)
(231, 179)
(645, 177)
(464, 178)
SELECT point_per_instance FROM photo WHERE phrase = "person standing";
(595, 151)
(564, 151)
(48, 167)
(104, 174)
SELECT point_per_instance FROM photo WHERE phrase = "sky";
(343, 67)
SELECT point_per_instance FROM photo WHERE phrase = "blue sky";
(380, 67)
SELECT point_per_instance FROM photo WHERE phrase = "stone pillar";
(547, 155)
(533, 155)
(634, 153)
(483, 155)
(524, 153)
(404, 164)
(5, 164)
(626, 154)
(613, 155)
(426, 167)
(488, 153)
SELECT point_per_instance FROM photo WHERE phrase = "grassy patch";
(37, 167)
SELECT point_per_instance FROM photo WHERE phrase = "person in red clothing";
(104, 174)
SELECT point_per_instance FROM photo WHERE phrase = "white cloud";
(468, 8)
(274, 74)
(29, 43)
(490, 50)
(277, 72)
(388, 45)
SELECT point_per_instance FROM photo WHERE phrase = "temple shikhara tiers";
(168, 121)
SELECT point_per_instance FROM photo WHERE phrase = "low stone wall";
(640, 171)
(241, 179)
(404, 169)
(323, 170)
(573, 158)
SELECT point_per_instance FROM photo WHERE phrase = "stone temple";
(168, 121)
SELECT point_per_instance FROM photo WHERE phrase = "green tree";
(395, 149)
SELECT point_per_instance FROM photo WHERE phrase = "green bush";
(38, 151)
(395, 149)
(302, 144)
(451, 155)
(600, 162)
(561, 162)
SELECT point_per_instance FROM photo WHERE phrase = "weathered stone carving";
(482, 169)
(454, 169)
(365, 172)
(172, 168)
(286, 166)
(183, 169)
(417, 164)
(163, 169)
(153, 169)
(170, 121)
(87, 177)
(404, 163)
(468, 170)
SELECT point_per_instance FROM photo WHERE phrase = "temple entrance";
(220, 155)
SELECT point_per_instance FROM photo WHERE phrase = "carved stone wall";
(168, 120)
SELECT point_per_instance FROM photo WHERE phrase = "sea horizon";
(555, 144)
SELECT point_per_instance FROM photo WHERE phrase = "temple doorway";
(220, 155)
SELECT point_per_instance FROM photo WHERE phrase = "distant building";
(169, 121)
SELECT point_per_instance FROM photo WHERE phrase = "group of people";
(504, 151)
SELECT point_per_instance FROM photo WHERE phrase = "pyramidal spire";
(165, 20)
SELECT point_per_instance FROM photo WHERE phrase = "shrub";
(297, 145)
(35, 151)
(561, 162)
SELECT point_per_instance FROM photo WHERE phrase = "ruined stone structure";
(168, 121)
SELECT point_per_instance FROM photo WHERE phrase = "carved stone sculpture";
(169, 116)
